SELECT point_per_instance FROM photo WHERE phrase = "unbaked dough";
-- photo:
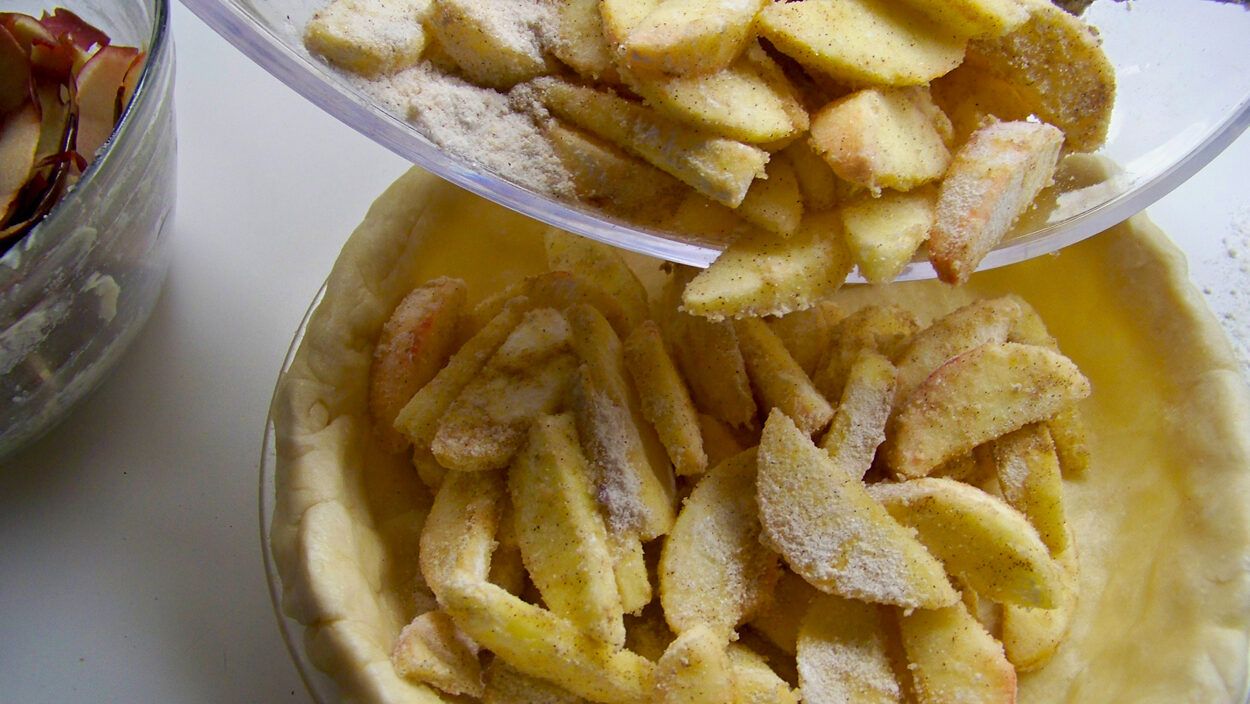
(1160, 521)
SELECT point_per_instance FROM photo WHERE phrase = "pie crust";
(1160, 520)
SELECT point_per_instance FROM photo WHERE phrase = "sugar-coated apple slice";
(541, 644)
(695, 669)
(754, 681)
(682, 37)
(1030, 480)
(807, 333)
(1031, 636)
(346, 33)
(953, 659)
(760, 274)
(778, 380)
(992, 180)
(883, 138)
(504, 684)
(978, 323)
(415, 344)
(883, 233)
(633, 475)
(602, 264)
(459, 534)
(862, 41)
(1056, 65)
(984, 393)
(858, 425)
(883, 329)
(981, 540)
(844, 654)
(665, 399)
(720, 168)
(431, 649)
(974, 18)
(774, 203)
(832, 532)
(781, 617)
(713, 571)
(496, 49)
(579, 40)
(561, 532)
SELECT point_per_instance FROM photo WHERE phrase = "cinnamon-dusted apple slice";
(974, 18)
(345, 32)
(633, 476)
(755, 682)
(883, 233)
(432, 650)
(858, 426)
(695, 669)
(978, 323)
(579, 41)
(504, 684)
(978, 396)
(563, 541)
(883, 329)
(862, 41)
(719, 440)
(778, 380)
(953, 658)
(709, 357)
(844, 655)
(774, 202)
(992, 180)
(713, 570)
(681, 37)
(419, 418)
(541, 644)
(883, 138)
(1056, 65)
(496, 49)
(719, 168)
(554, 289)
(629, 564)
(832, 532)
(459, 534)
(1031, 636)
(602, 264)
(1067, 427)
(415, 343)
(821, 188)
(1029, 479)
(748, 100)
(981, 540)
(528, 376)
(664, 398)
(781, 617)
(759, 274)
(605, 176)
(808, 333)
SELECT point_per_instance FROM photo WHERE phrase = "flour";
(498, 131)
(1230, 298)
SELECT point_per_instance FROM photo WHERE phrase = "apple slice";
(82, 34)
(98, 84)
(954, 659)
(981, 540)
(131, 81)
(694, 669)
(978, 323)
(15, 78)
(833, 533)
(19, 138)
(978, 396)
(844, 654)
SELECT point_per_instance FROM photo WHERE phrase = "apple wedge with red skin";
(82, 34)
(19, 137)
(99, 83)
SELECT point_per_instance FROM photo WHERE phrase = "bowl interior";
(1180, 101)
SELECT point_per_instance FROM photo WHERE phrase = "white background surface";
(130, 562)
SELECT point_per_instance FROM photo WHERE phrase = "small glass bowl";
(1180, 101)
(75, 292)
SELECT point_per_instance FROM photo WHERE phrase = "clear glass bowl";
(77, 290)
(1183, 95)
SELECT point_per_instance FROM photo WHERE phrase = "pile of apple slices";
(63, 87)
(631, 503)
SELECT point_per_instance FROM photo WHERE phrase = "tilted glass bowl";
(1183, 95)
(75, 292)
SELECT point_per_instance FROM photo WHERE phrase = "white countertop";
(130, 561)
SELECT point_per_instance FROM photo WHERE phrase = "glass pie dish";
(1166, 427)
(1179, 103)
